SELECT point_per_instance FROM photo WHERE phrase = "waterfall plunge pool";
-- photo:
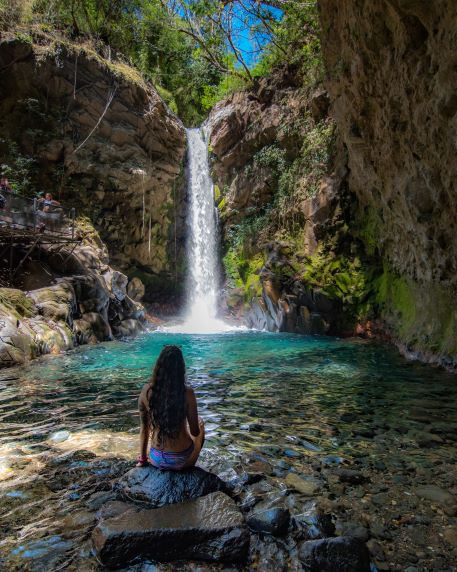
(274, 403)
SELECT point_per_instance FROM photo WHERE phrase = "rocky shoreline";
(131, 518)
(82, 299)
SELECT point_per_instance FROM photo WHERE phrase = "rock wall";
(257, 139)
(392, 73)
(75, 297)
(101, 140)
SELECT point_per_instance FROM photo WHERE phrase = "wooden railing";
(36, 214)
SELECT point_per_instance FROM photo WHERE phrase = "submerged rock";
(210, 528)
(435, 494)
(272, 521)
(307, 487)
(332, 554)
(160, 488)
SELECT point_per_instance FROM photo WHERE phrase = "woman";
(168, 413)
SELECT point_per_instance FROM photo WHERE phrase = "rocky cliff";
(392, 72)
(95, 135)
(92, 133)
(283, 201)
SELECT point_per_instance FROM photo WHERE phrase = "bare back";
(190, 426)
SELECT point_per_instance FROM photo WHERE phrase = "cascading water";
(203, 275)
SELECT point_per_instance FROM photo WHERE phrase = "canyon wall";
(280, 180)
(391, 75)
(98, 138)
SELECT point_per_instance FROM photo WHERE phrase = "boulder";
(136, 289)
(55, 303)
(99, 325)
(273, 521)
(210, 528)
(159, 488)
(330, 554)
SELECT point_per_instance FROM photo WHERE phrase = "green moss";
(244, 273)
(369, 224)
(422, 315)
(16, 303)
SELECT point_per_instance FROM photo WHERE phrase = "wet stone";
(307, 487)
(332, 554)
(450, 535)
(352, 529)
(210, 528)
(380, 499)
(350, 476)
(314, 527)
(273, 521)
(96, 500)
(435, 494)
(160, 488)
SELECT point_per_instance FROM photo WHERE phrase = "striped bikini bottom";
(170, 460)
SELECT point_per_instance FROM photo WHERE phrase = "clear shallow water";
(297, 403)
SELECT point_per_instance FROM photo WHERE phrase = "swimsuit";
(171, 460)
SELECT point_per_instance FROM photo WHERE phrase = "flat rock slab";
(210, 528)
(160, 488)
(342, 554)
(435, 494)
(307, 487)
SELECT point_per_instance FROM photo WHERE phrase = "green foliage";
(296, 42)
(272, 157)
(350, 279)
(189, 49)
(243, 273)
(20, 169)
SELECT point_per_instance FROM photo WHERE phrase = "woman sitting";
(168, 413)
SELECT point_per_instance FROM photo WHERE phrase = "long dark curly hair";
(167, 401)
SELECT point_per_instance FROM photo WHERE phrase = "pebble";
(435, 494)
(60, 436)
(380, 499)
(306, 487)
(379, 531)
(350, 476)
(352, 529)
(450, 535)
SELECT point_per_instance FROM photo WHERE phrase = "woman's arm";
(144, 429)
(192, 413)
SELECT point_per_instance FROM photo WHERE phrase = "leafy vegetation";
(195, 52)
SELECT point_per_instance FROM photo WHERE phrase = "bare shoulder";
(143, 399)
(190, 394)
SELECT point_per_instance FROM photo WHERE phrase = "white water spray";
(203, 279)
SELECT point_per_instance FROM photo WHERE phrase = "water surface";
(297, 403)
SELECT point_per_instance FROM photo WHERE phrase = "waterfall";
(203, 279)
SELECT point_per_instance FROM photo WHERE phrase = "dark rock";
(160, 488)
(353, 529)
(210, 528)
(314, 527)
(435, 494)
(96, 500)
(335, 554)
(350, 476)
(272, 521)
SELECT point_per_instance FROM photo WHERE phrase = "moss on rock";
(15, 302)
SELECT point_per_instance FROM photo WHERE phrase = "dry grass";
(47, 44)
